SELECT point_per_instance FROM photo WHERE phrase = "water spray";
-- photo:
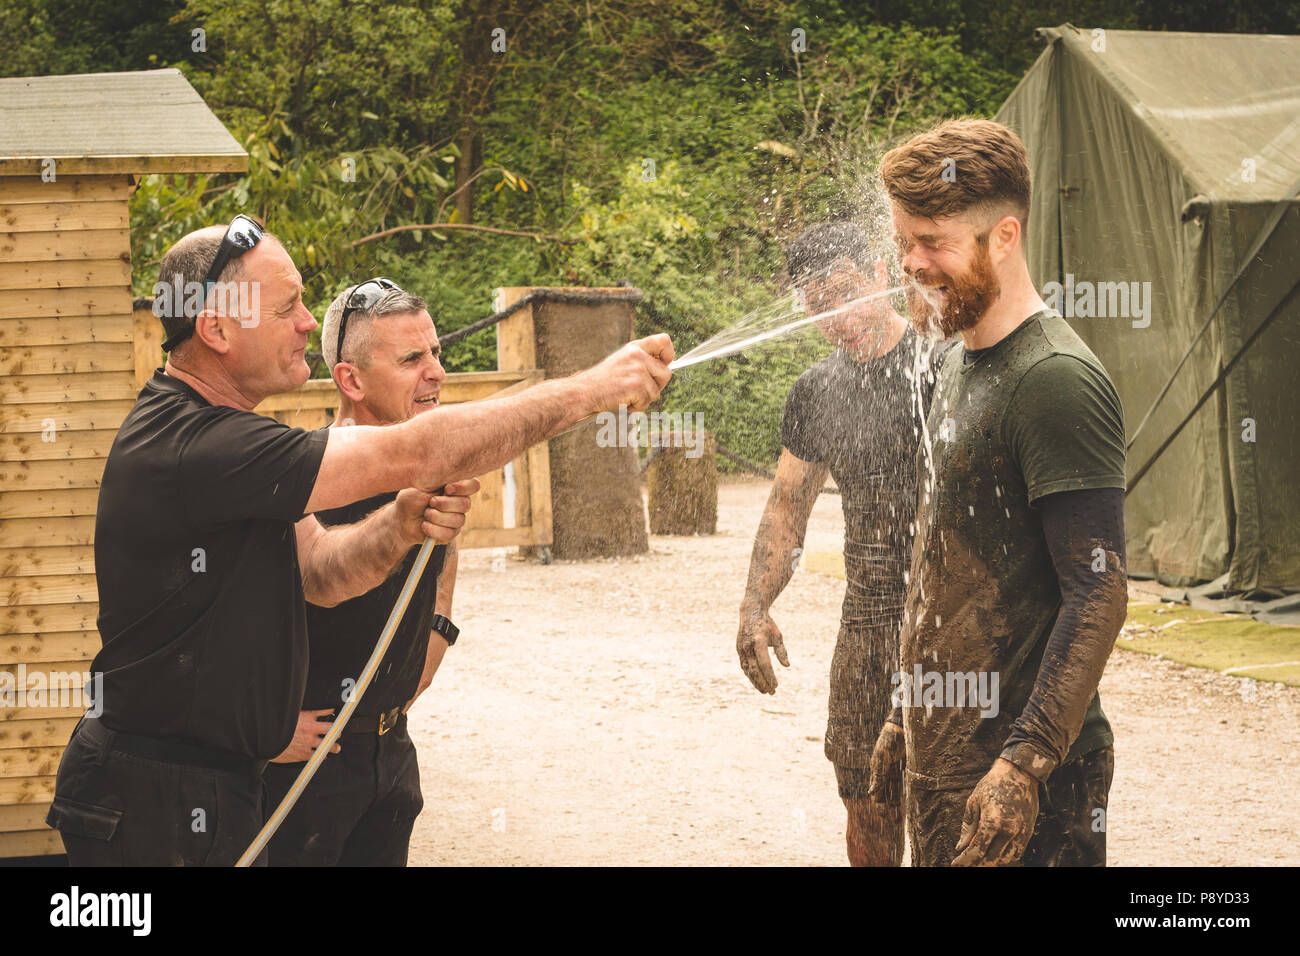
(741, 335)
(748, 331)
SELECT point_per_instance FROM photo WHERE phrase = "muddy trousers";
(358, 810)
(862, 669)
(1070, 829)
(118, 802)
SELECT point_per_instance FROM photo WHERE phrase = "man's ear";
(1004, 238)
(347, 381)
(210, 327)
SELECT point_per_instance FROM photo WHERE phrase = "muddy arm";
(1085, 534)
(779, 540)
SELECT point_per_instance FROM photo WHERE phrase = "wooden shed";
(72, 149)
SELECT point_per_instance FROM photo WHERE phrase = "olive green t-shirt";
(1034, 414)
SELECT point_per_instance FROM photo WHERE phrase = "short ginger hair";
(972, 166)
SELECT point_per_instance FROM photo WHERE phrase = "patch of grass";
(825, 562)
(1227, 643)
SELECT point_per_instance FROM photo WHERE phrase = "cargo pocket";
(83, 820)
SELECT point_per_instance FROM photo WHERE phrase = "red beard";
(965, 299)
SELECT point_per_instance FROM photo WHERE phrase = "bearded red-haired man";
(1018, 580)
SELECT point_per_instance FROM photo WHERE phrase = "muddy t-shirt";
(1034, 414)
(201, 606)
(863, 420)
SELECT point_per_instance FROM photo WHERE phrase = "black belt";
(167, 751)
(373, 723)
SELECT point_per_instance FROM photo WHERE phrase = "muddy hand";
(999, 818)
(756, 635)
(887, 761)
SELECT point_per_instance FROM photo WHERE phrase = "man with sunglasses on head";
(382, 350)
(206, 547)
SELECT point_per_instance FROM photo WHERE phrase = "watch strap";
(448, 630)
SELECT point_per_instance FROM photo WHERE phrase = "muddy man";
(1018, 563)
(855, 416)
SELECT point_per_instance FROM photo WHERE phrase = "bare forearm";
(348, 560)
(441, 605)
(459, 441)
(437, 651)
(772, 562)
(479, 437)
(447, 581)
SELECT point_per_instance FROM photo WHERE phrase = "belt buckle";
(384, 724)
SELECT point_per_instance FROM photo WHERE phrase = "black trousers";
(117, 809)
(358, 810)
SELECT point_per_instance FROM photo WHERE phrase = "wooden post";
(516, 336)
(517, 350)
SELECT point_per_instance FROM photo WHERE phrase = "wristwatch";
(448, 630)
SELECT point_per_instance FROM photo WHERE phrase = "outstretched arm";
(474, 438)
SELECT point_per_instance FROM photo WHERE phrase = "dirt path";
(594, 713)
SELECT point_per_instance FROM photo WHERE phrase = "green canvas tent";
(1166, 169)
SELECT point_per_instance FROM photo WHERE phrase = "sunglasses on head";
(241, 235)
(363, 298)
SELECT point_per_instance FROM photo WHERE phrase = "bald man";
(206, 549)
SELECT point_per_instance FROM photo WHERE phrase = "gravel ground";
(594, 713)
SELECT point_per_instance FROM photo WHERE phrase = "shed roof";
(150, 121)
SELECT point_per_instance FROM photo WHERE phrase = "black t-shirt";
(343, 637)
(863, 420)
(1033, 415)
(201, 608)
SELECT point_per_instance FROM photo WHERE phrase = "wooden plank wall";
(66, 382)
